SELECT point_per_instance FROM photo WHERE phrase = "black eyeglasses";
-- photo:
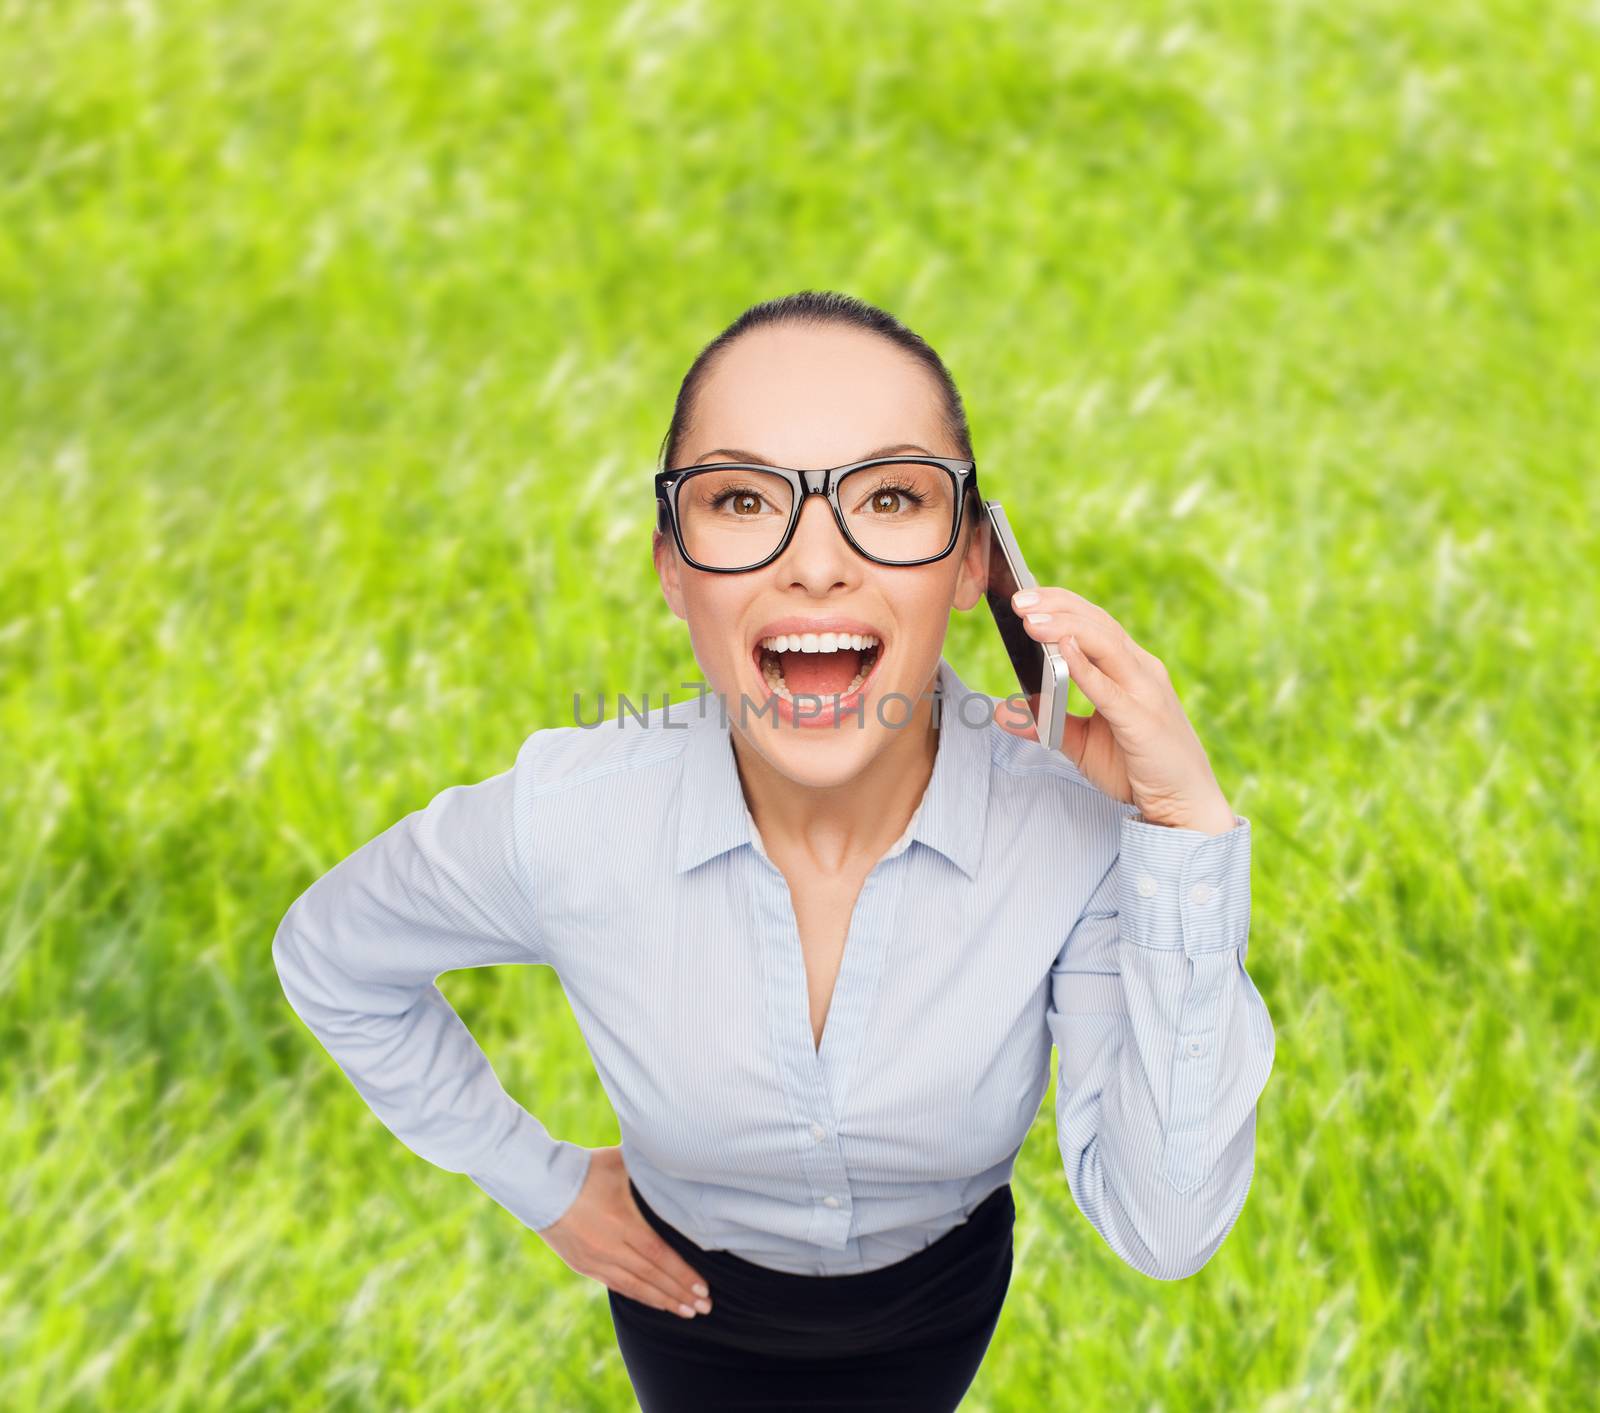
(729, 517)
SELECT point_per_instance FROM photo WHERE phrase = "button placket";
(1185, 1154)
(821, 1158)
(872, 926)
(788, 1016)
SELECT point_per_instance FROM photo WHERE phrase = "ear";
(668, 569)
(973, 575)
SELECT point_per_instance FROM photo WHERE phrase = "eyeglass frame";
(814, 483)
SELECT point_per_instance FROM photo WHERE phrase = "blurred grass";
(324, 334)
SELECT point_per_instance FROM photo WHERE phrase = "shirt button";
(1147, 887)
(830, 1201)
(1197, 1047)
(818, 1132)
(1201, 892)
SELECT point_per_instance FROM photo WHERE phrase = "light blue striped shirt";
(1020, 907)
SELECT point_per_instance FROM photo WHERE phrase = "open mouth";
(825, 665)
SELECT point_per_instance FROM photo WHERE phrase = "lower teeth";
(774, 679)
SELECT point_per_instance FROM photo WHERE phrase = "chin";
(818, 760)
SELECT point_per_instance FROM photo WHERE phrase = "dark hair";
(817, 307)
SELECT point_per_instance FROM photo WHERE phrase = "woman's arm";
(358, 952)
(1165, 1045)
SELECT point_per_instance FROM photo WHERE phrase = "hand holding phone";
(1041, 670)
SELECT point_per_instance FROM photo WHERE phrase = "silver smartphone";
(1040, 668)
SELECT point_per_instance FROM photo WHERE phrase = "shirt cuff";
(1183, 888)
(535, 1177)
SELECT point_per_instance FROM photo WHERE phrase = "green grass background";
(336, 347)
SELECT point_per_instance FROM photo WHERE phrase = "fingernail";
(700, 1289)
(1024, 598)
(1038, 618)
(685, 1310)
(703, 1306)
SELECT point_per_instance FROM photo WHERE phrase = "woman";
(821, 922)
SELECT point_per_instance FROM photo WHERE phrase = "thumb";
(1010, 716)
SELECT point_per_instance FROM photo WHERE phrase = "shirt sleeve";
(1165, 1045)
(358, 953)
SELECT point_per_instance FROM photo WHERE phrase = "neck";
(847, 827)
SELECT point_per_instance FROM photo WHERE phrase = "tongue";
(821, 674)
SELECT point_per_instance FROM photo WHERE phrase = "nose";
(818, 557)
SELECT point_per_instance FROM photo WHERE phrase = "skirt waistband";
(939, 1292)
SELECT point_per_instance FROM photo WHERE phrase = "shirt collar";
(713, 816)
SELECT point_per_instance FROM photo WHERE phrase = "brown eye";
(890, 499)
(739, 501)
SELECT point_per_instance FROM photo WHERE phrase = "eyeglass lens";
(894, 511)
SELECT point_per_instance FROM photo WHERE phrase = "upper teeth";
(818, 642)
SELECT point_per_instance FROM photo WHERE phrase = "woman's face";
(810, 398)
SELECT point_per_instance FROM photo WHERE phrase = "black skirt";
(905, 1338)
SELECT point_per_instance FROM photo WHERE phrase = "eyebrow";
(727, 453)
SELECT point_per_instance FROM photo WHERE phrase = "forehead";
(812, 397)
